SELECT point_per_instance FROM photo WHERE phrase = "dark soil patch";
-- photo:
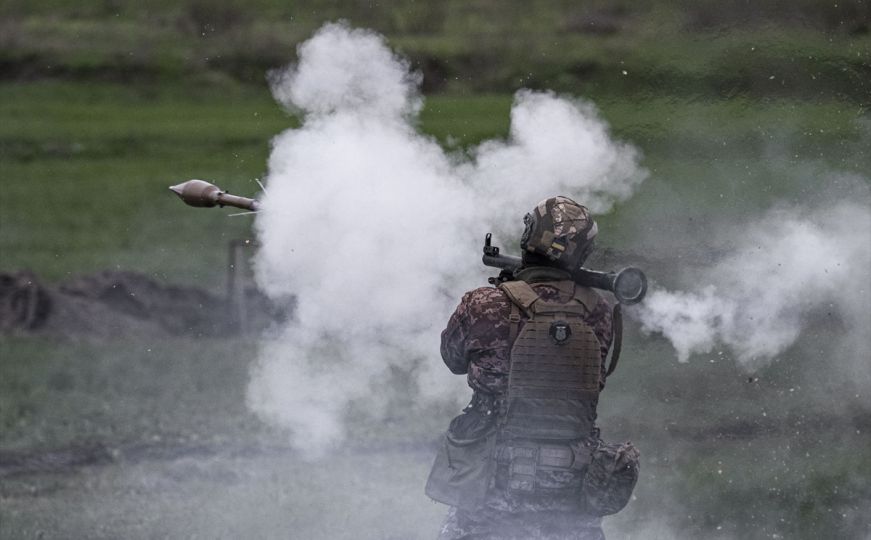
(58, 460)
(111, 303)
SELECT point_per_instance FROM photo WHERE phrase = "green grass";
(86, 170)
(85, 167)
(97, 167)
(58, 395)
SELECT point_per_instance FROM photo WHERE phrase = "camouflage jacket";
(476, 340)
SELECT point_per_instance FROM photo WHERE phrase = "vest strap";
(513, 323)
(617, 340)
(587, 297)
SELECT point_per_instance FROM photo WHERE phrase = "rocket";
(204, 194)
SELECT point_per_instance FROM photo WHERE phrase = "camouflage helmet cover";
(561, 230)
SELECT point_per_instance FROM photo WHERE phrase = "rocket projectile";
(204, 194)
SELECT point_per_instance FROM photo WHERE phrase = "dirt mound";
(110, 304)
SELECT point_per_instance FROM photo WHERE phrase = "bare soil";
(113, 303)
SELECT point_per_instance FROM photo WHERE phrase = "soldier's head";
(559, 232)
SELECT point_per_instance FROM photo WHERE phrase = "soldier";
(524, 459)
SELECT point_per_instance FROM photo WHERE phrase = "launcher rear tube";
(597, 280)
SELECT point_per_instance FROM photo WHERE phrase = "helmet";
(560, 230)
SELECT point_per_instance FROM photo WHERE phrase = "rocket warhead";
(204, 194)
(197, 193)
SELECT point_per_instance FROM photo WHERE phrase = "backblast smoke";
(377, 231)
(789, 272)
(784, 268)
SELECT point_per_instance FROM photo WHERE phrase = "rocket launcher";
(629, 285)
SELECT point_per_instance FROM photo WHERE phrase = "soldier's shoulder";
(485, 304)
(485, 295)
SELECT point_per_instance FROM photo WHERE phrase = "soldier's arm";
(454, 338)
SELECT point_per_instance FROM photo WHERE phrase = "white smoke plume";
(790, 271)
(376, 230)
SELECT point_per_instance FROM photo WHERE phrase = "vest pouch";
(610, 478)
(464, 464)
(533, 467)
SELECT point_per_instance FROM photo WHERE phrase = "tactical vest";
(555, 371)
(548, 414)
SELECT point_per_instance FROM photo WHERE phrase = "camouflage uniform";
(476, 342)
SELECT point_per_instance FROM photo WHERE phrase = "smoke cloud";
(376, 230)
(790, 271)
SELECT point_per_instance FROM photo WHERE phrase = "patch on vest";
(560, 332)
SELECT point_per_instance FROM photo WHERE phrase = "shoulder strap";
(586, 296)
(521, 295)
(513, 324)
